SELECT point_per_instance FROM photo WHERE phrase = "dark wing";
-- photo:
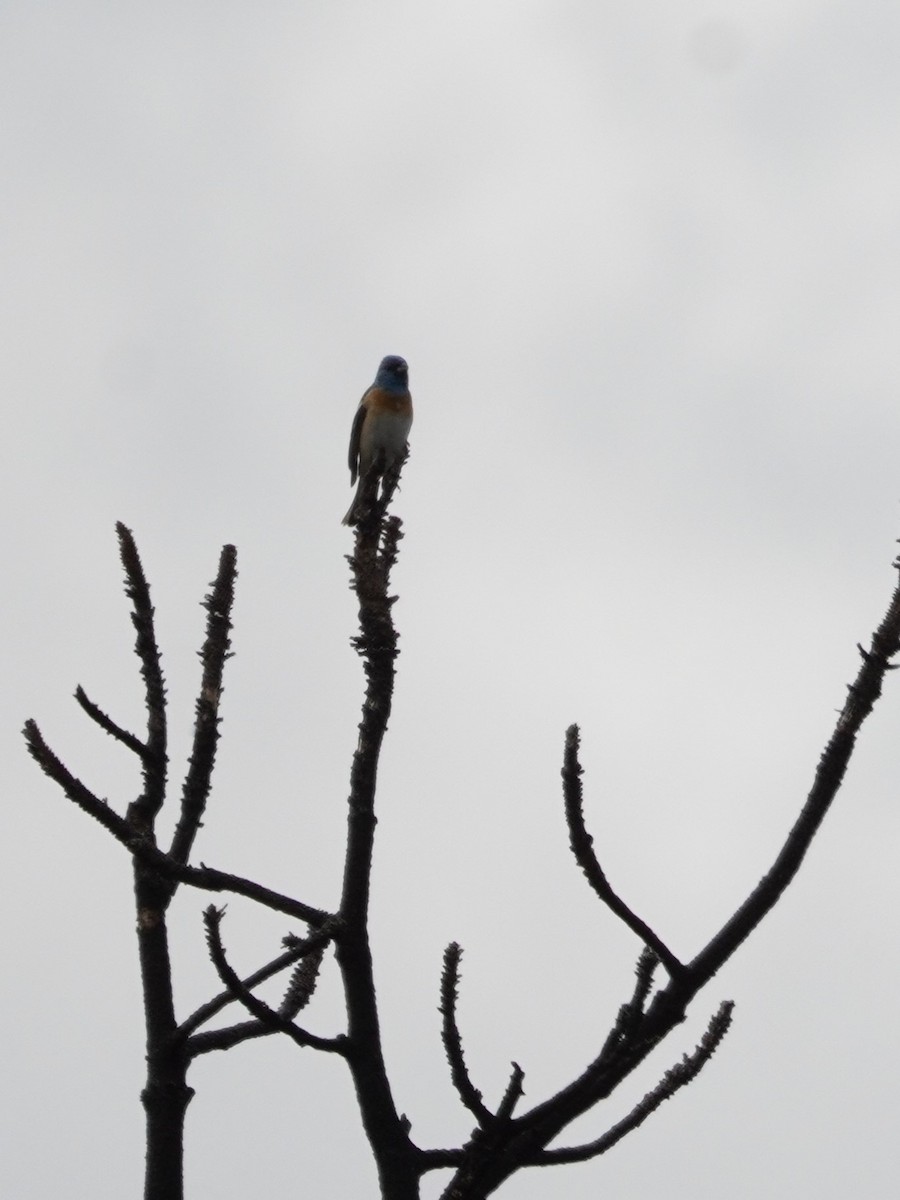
(355, 434)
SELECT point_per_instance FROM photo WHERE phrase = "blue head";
(393, 374)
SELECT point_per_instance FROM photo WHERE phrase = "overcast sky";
(644, 263)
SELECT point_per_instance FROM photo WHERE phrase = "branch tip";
(513, 1093)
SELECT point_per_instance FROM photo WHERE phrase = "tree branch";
(108, 725)
(72, 786)
(862, 696)
(674, 1079)
(209, 1040)
(297, 948)
(166, 1094)
(438, 1159)
(377, 539)
(512, 1095)
(502, 1143)
(466, 1090)
(483, 1168)
(209, 879)
(215, 651)
(630, 1014)
(302, 983)
(145, 851)
(212, 918)
(582, 847)
(143, 811)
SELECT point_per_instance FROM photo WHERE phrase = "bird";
(380, 429)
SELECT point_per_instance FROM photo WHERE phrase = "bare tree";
(503, 1139)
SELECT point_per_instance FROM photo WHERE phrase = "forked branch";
(646, 1020)
(502, 1142)
(171, 1046)
(674, 1079)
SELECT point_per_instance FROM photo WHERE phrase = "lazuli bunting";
(380, 429)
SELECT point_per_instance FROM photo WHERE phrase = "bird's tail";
(352, 516)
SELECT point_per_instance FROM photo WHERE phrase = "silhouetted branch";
(862, 695)
(205, 878)
(643, 982)
(375, 552)
(582, 847)
(209, 1040)
(298, 994)
(302, 983)
(512, 1095)
(674, 1079)
(142, 811)
(108, 725)
(211, 1008)
(641, 1026)
(156, 874)
(212, 918)
(468, 1093)
(371, 506)
(231, 1036)
(296, 948)
(216, 646)
(440, 1159)
(77, 792)
(209, 879)
(502, 1142)
(630, 1014)
(391, 483)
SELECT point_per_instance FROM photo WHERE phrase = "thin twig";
(466, 1090)
(215, 652)
(582, 847)
(302, 983)
(512, 1095)
(297, 948)
(108, 725)
(674, 1079)
(143, 811)
(207, 1041)
(76, 791)
(629, 1015)
(206, 878)
(862, 696)
(209, 879)
(257, 1008)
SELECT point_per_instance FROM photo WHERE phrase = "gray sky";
(644, 263)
